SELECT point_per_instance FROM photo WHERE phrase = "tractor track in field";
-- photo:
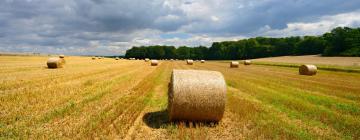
(134, 109)
(158, 92)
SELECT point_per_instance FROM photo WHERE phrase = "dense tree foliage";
(339, 42)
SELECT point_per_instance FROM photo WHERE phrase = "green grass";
(351, 69)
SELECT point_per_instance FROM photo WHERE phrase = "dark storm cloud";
(72, 26)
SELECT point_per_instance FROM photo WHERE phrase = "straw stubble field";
(127, 99)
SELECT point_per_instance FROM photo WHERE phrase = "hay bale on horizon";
(307, 70)
(62, 57)
(202, 61)
(55, 62)
(196, 95)
(189, 62)
(234, 64)
(154, 62)
(93, 58)
(247, 62)
(147, 59)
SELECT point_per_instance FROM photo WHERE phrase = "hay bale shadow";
(160, 119)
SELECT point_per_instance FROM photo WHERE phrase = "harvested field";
(127, 99)
(314, 59)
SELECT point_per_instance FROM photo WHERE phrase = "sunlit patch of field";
(314, 59)
(127, 99)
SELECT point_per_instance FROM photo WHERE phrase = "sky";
(110, 27)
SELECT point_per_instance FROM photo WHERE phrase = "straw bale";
(307, 70)
(234, 64)
(55, 62)
(247, 62)
(196, 95)
(189, 62)
(154, 62)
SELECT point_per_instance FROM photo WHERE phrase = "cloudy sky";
(109, 27)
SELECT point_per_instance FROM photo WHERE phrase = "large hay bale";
(189, 62)
(154, 62)
(196, 95)
(234, 64)
(247, 62)
(55, 62)
(147, 59)
(307, 70)
(202, 61)
(61, 56)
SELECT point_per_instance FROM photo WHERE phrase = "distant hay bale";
(247, 62)
(55, 62)
(62, 57)
(147, 59)
(189, 62)
(93, 58)
(307, 70)
(116, 58)
(196, 95)
(202, 61)
(154, 62)
(234, 64)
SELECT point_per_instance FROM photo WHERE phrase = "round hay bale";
(196, 95)
(247, 62)
(189, 62)
(154, 62)
(55, 62)
(147, 59)
(61, 56)
(307, 70)
(202, 61)
(116, 58)
(234, 64)
(93, 58)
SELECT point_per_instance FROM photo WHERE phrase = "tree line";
(341, 41)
